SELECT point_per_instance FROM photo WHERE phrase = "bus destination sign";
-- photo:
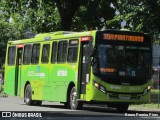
(119, 37)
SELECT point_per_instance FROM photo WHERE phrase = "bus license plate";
(124, 97)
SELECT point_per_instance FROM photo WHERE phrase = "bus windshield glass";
(123, 60)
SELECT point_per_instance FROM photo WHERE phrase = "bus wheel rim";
(74, 99)
(27, 96)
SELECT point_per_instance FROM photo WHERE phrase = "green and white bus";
(111, 67)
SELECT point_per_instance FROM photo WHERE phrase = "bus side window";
(54, 52)
(27, 54)
(45, 53)
(35, 53)
(72, 51)
(72, 54)
(62, 52)
(11, 55)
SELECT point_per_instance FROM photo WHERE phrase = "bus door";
(18, 70)
(85, 65)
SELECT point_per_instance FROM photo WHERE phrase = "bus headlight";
(99, 87)
(96, 85)
(146, 90)
(149, 88)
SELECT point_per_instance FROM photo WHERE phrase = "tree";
(67, 9)
(21, 16)
(139, 15)
(93, 15)
(8, 32)
(51, 15)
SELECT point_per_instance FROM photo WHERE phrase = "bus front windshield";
(116, 60)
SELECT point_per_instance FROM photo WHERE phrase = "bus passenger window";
(45, 53)
(35, 53)
(62, 52)
(11, 55)
(54, 52)
(27, 54)
(72, 54)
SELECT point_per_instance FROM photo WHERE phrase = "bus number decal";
(33, 73)
(62, 73)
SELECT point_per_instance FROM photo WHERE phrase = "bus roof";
(52, 36)
(64, 35)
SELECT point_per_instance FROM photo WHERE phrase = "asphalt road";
(17, 109)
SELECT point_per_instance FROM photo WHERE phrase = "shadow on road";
(89, 111)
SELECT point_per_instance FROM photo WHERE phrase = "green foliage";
(93, 15)
(53, 15)
(38, 16)
(139, 15)
(33, 15)
(10, 31)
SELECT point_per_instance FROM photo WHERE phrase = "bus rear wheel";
(28, 95)
(72, 101)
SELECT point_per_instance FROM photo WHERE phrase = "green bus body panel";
(51, 81)
(9, 85)
(48, 81)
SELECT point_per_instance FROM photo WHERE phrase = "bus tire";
(122, 108)
(28, 95)
(74, 104)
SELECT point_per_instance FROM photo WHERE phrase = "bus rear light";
(86, 38)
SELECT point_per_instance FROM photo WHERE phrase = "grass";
(154, 91)
(149, 107)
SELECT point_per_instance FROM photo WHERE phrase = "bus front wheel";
(72, 101)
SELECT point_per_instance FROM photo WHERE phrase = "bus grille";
(125, 96)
